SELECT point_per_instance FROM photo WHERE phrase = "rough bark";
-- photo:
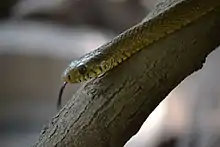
(108, 110)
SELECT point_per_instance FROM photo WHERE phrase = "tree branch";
(108, 110)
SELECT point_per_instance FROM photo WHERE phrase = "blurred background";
(38, 39)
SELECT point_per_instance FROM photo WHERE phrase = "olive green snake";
(122, 47)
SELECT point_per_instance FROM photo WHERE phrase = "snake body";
(122, 47)
(136, 38)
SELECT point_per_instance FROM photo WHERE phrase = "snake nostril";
(69, 77)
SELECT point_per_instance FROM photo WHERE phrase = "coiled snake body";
(122, 47)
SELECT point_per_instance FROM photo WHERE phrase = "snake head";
(75, 73)
(87, 67)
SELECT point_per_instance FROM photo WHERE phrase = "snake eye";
(82, 69)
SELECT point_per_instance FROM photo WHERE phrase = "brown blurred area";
(38, 38)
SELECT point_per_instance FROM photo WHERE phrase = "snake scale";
(122, 47)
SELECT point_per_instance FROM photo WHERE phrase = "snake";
(134, 39)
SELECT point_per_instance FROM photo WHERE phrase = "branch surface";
(108, 110)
